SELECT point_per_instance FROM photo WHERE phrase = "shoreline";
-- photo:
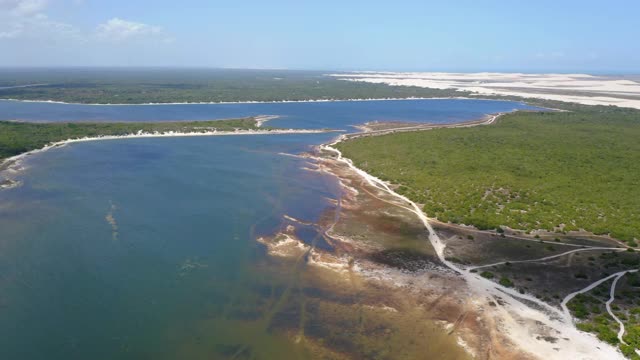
(486, 120)
(263, 102)
(514, 305)
(9, 164)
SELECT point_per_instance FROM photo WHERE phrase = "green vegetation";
(603, 330)
(487, 274)
(132, 86)
(582, 304)
(558, 171)
(20, 137)
(504, 281)
(632, 338)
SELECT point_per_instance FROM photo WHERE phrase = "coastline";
(10, 163)
(515, 308)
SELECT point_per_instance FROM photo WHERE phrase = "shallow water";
(145, 248)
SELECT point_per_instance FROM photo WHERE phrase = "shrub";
(487, 274)
(504, 281)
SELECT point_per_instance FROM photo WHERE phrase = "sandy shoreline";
(521, 322)
(9, 164)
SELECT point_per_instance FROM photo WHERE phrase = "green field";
(558, 171)
(149, 85)
(20, 137)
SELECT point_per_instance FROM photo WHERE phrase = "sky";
(402, 35)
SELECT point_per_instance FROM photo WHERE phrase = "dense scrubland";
(148, 85)
(20, 137)
(557, 171)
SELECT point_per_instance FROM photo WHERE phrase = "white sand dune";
(577, 88)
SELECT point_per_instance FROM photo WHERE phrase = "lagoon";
(146, 248)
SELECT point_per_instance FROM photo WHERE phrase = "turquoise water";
(145, 248)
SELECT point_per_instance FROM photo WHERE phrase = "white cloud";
(10, 30)
(26, 18)
(22, 7)
(119, 30)
(38, 26)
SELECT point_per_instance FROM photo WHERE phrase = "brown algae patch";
(380, 291)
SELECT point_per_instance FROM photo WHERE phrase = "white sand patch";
(284, 245)
(260, 120)
(577, 88)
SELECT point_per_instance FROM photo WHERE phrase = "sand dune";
(578, 88)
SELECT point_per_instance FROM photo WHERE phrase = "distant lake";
(145, 248)
(338, 114)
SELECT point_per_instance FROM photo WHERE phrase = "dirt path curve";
(593, 285)
(544, 258)
(612, 297)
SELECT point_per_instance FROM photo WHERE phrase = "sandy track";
(587, 248)
(612, 297)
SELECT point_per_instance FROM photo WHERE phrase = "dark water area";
(146, 248)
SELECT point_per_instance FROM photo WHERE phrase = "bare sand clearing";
(577, 88)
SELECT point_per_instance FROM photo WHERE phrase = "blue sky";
(566, 36)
